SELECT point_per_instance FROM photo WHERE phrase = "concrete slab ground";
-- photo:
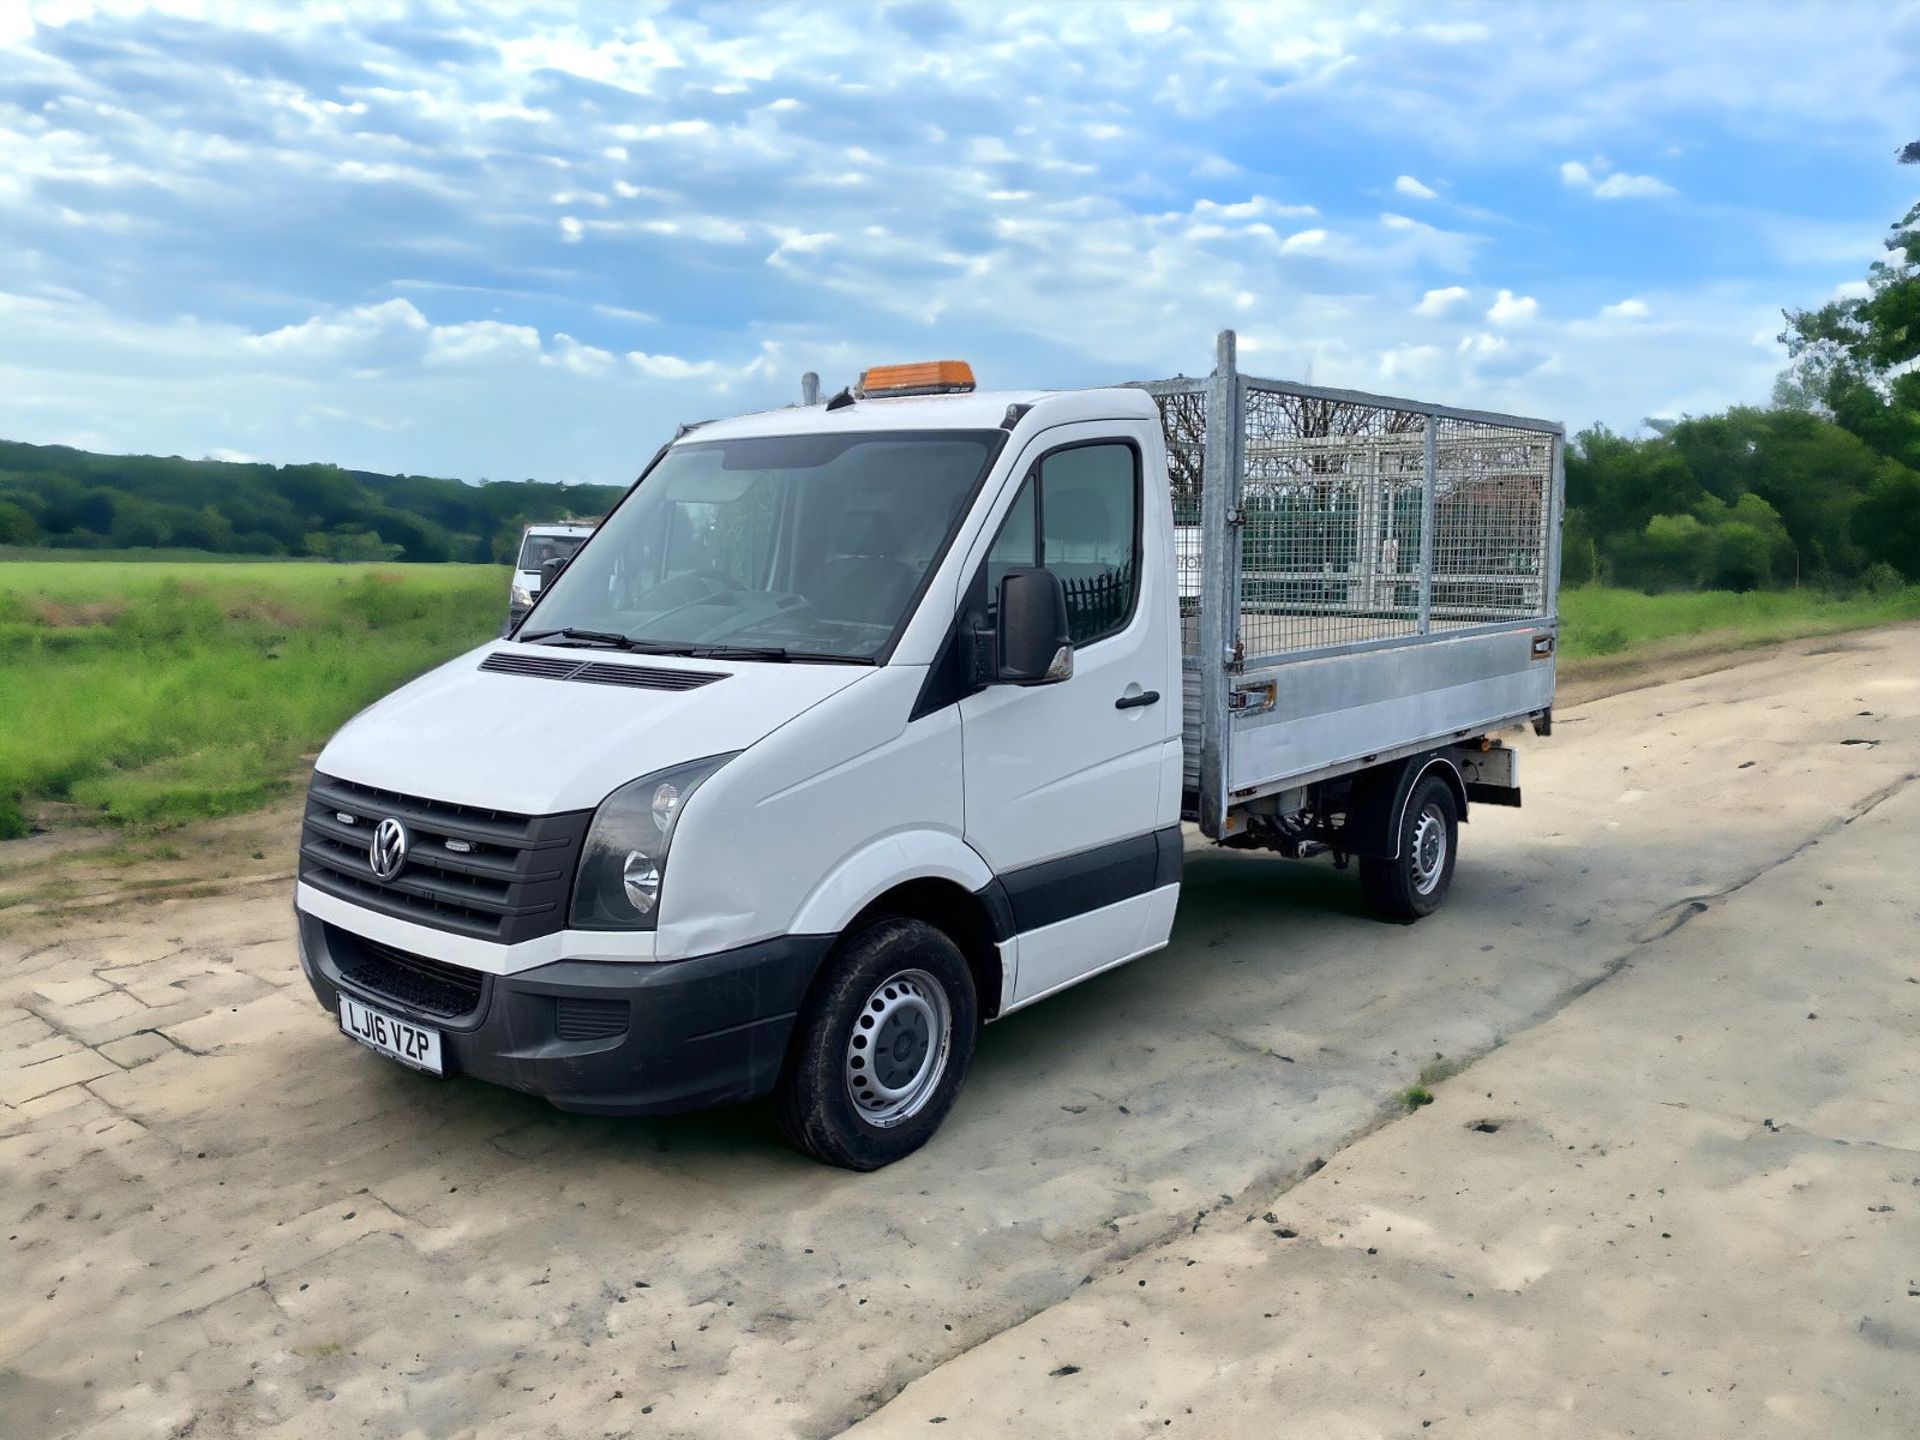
(1687, 1205)
(219, 1217)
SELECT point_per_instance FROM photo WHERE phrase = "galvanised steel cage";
(1331, 523)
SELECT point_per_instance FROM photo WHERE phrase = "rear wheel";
(1413, 883)
(882, 1047)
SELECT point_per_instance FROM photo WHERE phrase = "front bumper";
(705, 1031)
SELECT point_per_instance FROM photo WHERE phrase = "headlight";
(522, 596)
(625, 855)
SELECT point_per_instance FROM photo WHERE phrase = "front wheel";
(1413, 883)
(882, 1047)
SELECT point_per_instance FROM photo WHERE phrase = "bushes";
(1747, 500)
(1717, 546)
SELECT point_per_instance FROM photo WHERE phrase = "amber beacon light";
(922, 377)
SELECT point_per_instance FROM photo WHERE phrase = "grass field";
(1597, 622)
(146, 692)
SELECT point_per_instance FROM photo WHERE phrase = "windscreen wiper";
(777, 653)
(590, 637)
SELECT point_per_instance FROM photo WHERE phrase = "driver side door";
(1072, 788)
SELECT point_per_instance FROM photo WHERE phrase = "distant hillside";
(54, 496)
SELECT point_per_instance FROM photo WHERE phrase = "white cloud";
(1494, 358)
(799, 243)
(1412, 364)
(1407, 185)
(709, 229)
(1304, 242)
(670, 367)
(343, 332)
(1256, 207)
(1625, 310)
(1617, 186)
(581, 359)
(479, 340)
(1438, 302)
(1511, 309)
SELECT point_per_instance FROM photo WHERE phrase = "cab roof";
(972, 410)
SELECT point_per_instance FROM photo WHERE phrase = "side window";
(1089, 499)
(1078, 515)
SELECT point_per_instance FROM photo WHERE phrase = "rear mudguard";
(1378, 803)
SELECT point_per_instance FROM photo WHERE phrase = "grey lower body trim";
(1070, 885)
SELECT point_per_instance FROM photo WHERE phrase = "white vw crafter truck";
(858, 724)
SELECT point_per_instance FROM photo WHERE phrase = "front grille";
(504, 877)
(589, 1019)
(599, 672)
(430, 987)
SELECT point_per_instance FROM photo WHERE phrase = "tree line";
(51, 495)
(1821, 487)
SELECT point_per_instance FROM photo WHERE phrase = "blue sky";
(524, 240)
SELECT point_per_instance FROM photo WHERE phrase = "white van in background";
(538, 545)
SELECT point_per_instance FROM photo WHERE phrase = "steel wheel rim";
(1429, 846)
(898, 1050)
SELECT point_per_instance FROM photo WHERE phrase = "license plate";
(394, 1038)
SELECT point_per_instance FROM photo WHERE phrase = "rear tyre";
(1415, 881)
(882, 1047)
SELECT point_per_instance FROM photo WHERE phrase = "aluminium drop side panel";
(1334, 714)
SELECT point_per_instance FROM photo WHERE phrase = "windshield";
(805, 546)
(536, 550)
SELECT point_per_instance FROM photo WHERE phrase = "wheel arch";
(921, 875)
(1380, 803)
(966, 920)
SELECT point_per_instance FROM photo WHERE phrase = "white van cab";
(540, 547)
(852, 727)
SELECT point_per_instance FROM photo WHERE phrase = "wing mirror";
(550, 571)
(1032, 642)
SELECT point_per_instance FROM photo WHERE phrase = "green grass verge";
(149, 693)
(1596, 621)
(152, 691)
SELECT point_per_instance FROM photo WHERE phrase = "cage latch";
(1254, 699)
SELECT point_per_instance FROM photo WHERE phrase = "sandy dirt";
(221, 1218)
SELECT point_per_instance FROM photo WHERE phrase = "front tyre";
(882, 1047)
(1414, 882)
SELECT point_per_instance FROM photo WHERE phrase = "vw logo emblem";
(388, 852)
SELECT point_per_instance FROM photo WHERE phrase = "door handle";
(1134, 702)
